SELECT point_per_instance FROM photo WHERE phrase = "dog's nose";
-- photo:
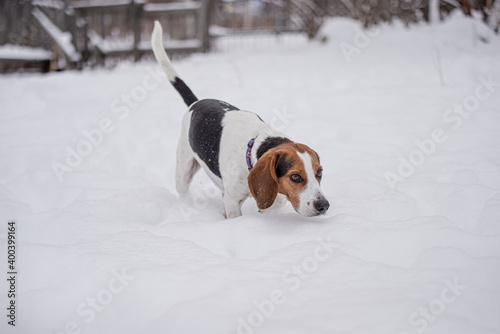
(321, 205)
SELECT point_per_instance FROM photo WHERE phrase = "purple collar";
(249, 153)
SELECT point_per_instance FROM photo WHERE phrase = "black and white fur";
(215, 136)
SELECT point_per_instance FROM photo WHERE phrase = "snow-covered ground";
(406, 121)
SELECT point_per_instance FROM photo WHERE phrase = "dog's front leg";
(232, 206)
(235, 189)
(233, 198)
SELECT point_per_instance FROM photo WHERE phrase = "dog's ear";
(262, 180)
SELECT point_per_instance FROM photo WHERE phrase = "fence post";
(24, 31)
(3, 17)
(204, 24)
(70, 26)
(12, 26)
(83, 27)
(101, 16)
(137, 10)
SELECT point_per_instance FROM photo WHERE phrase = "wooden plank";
(14, 65)
(62, 39)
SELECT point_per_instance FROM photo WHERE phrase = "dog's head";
(293, 170)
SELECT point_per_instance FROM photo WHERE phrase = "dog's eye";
(319, 174)
(296, 178)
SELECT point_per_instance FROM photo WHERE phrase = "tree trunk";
(467, 8)
(434, 11)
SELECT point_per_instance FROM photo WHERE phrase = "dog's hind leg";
(185, 171)
(187, 165)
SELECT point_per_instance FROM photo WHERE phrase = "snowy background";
(106, 245)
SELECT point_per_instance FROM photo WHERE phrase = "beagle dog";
(241, 154)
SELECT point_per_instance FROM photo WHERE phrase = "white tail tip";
(159, 52)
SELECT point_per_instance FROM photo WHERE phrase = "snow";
(174, 6)
(9, 51)
(108, 247)
(174, 44)
(107, 45)
(126, 44)
(57, 4)
(494, 17)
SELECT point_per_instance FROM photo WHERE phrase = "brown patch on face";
(271, 174)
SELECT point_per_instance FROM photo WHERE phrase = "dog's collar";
(249, 153)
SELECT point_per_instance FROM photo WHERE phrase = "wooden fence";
(82, 33)
(124, 29)
(86, 34)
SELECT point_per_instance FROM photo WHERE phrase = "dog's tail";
(162, 58)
